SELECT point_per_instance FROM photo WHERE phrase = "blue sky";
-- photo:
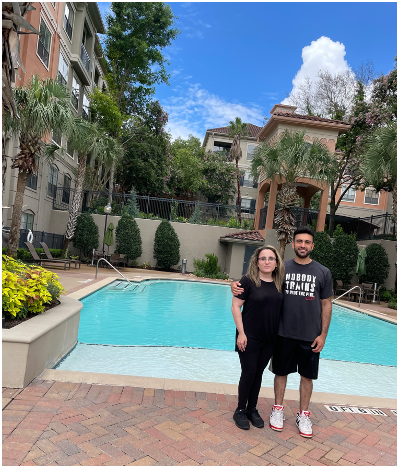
(239, 59)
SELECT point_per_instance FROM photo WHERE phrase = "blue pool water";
(197, 315)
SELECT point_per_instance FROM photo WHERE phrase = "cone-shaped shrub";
(128, 237)
(166, 246)
(86, 234)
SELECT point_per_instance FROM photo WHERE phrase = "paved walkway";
(58, 423)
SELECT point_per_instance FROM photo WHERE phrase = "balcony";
(75, 99)
(68, 28)
(61, 79)
(84, 114)
(85, 58)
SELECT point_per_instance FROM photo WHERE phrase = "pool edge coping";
(369, 312)
(208, 387)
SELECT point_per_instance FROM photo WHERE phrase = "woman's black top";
(261, 312)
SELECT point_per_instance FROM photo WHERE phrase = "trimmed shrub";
(128, 237)
(392, 305)
(387, 295)
(166, 246)
(344, 257)
(24, 255)
(86, 234)
(376, 264)
(208, 268)
(323, 251)
(27, 289)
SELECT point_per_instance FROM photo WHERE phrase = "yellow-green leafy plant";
(27, 289)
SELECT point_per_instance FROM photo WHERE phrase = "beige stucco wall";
(39, 343)
(271, 240)
(195, 240)
(236, 252)
(390, 247)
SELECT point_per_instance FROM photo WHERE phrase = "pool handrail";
(348, 291)
(118, 271)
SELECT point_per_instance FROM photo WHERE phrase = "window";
(52, 181)
(44, 43)
(248, 181)
(86, 105)
(32, 179)
(63, 70)
(27, 220)
(69, 150)
(75, 93)
(329, 193)
(67, 181)
(84, 55)
(68, 20)
(57, 137)
(250, 151)
(371, 196)
(247, 205)
(350, 195)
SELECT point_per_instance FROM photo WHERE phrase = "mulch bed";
(9, 323)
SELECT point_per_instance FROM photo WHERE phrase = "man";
(304, 324)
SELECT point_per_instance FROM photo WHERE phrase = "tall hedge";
(86, 234)
(323, 251)
(128, 237)
(166, 246)
(376, 264)
(345, 256)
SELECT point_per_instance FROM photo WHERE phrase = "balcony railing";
(84, 114)
(85, 58)
(68, 28)
(43, 53)
(75, 99)
(61, 79)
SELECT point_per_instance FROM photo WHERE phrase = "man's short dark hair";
(304, 230)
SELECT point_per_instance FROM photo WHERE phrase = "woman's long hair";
(277, 274)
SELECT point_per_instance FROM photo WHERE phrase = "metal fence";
(52, 240)
(373, 227)
(175, 210)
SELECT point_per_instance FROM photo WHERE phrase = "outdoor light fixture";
(107, 209)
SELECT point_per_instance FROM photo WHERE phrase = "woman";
(256, 328)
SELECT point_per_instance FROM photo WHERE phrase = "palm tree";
(86, 138)
(290, 157)
(13, 19)
(380, 161)
(43, 105)
(237, 130)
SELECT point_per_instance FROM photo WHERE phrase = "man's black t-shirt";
(261, 312)
(304, 287)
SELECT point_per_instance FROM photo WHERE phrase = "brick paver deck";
(58, 423)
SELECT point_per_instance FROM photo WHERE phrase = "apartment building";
(217, 139)
(68, 49)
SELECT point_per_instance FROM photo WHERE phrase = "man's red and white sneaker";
(277, 418)
(304, 424)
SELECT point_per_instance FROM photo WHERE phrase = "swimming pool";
(179, 317)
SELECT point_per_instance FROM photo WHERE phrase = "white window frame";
(249, 203)
(374, 191)
(248, 177)
(47, 67)
(63, 19)
(24, 221)
(67, 152)
(86, 104)
(254, 146)
(350, 189)
(61, 57)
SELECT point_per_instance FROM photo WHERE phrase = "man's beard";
(302, 255)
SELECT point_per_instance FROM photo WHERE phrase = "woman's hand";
(242, 341)
(236, 290)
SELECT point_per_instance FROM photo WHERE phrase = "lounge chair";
(40, 261)
(49, 256)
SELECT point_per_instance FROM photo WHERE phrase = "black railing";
(75, 99)
(52, 240)
(375, 226)
(85, 58)
(176, 210)
(43, 53)
(61, 79)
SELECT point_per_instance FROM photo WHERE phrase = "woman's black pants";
(252, 366)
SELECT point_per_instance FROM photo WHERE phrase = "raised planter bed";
(39, 343)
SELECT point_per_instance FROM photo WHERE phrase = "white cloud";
(321, 54)
(193, 110)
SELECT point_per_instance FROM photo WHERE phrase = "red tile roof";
(253, 235)
(309, 117)
(252, 129)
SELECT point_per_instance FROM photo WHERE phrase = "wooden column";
(260, 201)
(323, 209)
(271, 205)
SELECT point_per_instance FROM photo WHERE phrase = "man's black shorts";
(292, 355)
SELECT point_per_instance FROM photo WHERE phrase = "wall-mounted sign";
(356, 410)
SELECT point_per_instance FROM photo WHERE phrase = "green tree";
(86, 234)
(219, 178)
(290, 157)
(137, 32)
(323, 250)
(166, 246)
(128, 237)
(132, 207)
(237, 131)
(376, 264)
(380, 161)
(87, 139)
(43, 106)
(345, 254)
